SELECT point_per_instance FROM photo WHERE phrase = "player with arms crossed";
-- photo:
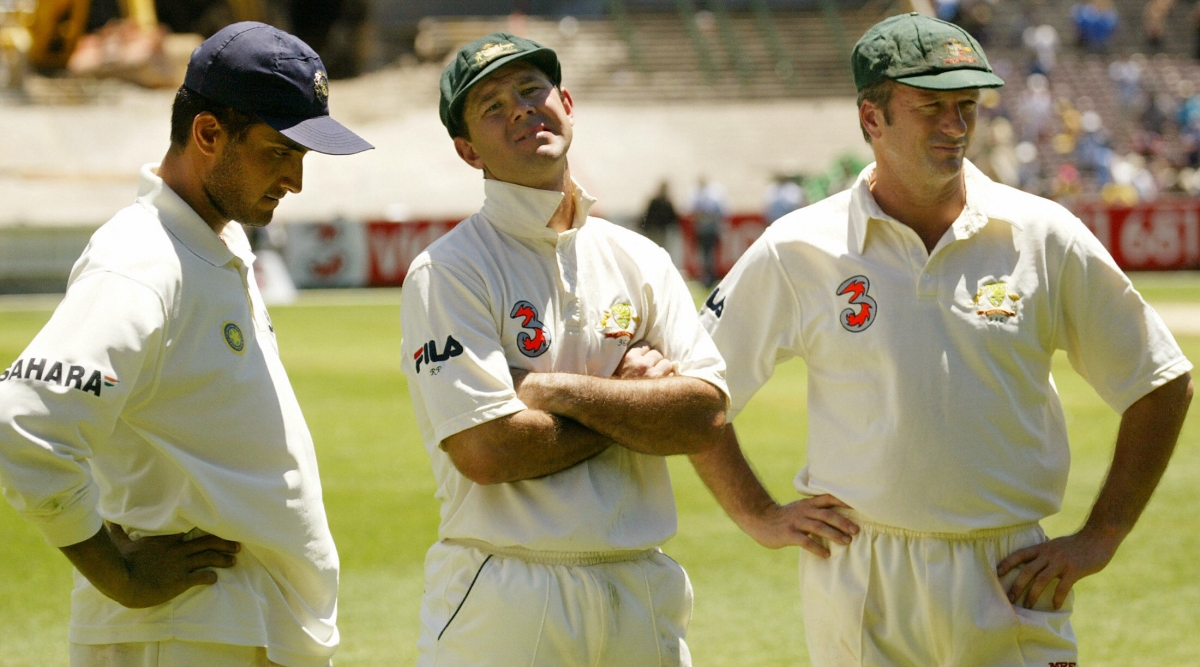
(150, 430)
(928, 302)
(534, 343)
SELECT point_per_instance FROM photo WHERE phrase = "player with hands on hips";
(927, 302)
(554, 360)
(150, 430)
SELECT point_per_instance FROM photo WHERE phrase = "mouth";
(532, 132)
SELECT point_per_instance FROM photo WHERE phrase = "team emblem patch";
(530, 344)
(234, 337)
(490, 52)
(959, 53)
(856, 320)
(321, 86)
(619, 321)
(996, 302)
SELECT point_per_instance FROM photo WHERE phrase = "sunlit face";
(519, 125)
(928, 134)
(253, 173)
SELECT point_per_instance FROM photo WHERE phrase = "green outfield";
(344, 359)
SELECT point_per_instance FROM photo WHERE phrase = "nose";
(293, 176)
(954, 122)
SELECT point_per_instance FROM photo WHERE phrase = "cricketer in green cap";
(477, 60)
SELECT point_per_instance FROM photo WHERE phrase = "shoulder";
(823, 227)
(1038, 219)
(133, 244)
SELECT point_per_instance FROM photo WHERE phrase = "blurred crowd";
(1125, 128)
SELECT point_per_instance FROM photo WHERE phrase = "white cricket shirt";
(503, 290)
(154, 398)
(930, 401)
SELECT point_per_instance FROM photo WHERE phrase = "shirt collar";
(186, 225)
(982, 205)
(525, 212)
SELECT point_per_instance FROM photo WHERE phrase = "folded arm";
(645, 406)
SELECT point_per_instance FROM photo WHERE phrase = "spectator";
(1092, 152)
(1095, 22)
(1154, 23)
(1036, 108)
(708, 217)
(784, 195)
(1043, 41)
(660, 219)
(1127, 75)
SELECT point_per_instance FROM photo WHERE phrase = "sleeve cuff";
(66, 533)
(477, 417)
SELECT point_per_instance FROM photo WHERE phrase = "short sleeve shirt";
(503, 291)
(930, 401)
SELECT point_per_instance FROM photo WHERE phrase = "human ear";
(467, 152)
(207, 133)
(872, 118)
(568, 103)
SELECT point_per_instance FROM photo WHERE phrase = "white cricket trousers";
(168, 654)
(901, 598)
(489, 606)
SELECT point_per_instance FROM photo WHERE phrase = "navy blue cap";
(263, 71)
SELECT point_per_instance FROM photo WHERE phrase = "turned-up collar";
(982, 205)
(525, 212)
(186, 225)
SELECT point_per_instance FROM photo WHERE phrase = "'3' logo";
(531, 345)
(852, 320)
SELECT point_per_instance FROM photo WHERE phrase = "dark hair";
(189, 104)
(879, 94)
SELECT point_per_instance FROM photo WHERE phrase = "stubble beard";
(225, 191)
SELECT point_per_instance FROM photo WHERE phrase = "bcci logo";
(234, 337)
(321, 86)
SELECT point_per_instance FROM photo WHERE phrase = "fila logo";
(857, 320)
(712, 304)
(530, 345)
(429, 354)
(35, 369)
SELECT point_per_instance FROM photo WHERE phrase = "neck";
(928, 208)
(564, 215)
(180, 173)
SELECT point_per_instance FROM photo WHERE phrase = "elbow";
(709, 431)
(477, 466)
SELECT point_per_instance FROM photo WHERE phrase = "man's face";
(252, 173)
(929, 131)
(520, 125)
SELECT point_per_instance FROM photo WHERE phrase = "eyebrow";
(523, 78)
(285, 142)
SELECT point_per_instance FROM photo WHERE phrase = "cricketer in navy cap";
(274, 76)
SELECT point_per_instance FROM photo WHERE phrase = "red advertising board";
(1158, 235)
(392, 246)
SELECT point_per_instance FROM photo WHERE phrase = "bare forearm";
(100, 562)
(670, 415)
(525, 445)
(728, 475)
(1147, 436)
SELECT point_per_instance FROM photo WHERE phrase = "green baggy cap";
(922, 52)
(479, 59)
